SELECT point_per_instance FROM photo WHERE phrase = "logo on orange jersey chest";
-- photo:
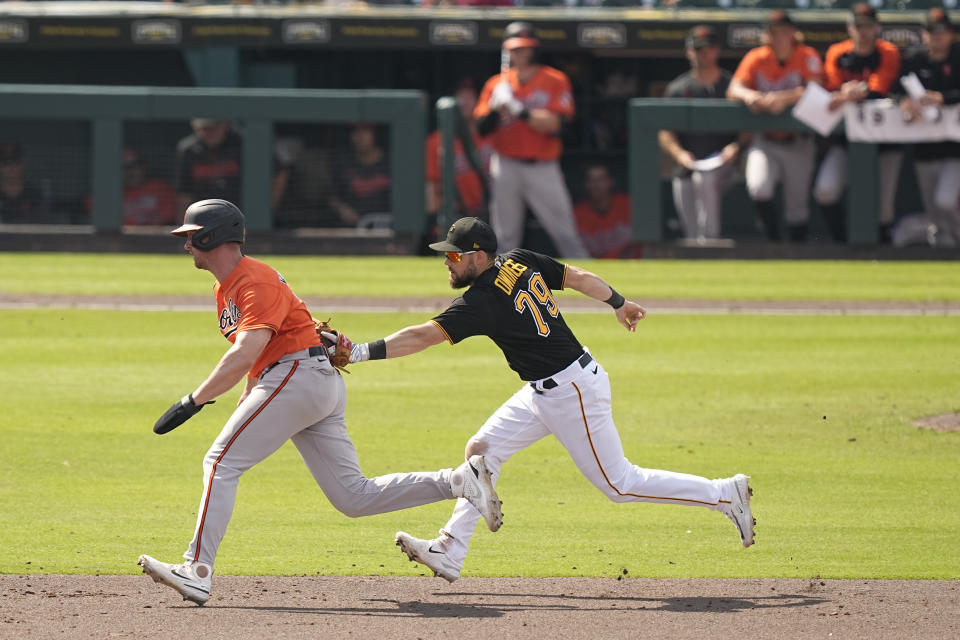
(229, 318)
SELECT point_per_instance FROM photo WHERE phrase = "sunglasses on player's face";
(456, 256)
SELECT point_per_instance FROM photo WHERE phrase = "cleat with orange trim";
(191, 580)
(738, 510)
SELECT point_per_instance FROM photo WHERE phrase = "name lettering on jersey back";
(229, 318)
(508, 275)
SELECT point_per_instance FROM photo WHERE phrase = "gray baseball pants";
(833, 176)
(939, 182)
(699, 199)
(770, 162)
(304, 400)
(541, 185)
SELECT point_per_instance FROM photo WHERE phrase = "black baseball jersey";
(936, 75)
(513, 304)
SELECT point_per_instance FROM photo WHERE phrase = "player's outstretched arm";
(412, 339)
(628, 312)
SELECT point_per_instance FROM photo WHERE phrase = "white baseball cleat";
(191, 580)
(428, 553)
(471, 480)
(738, 509)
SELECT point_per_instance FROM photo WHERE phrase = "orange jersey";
(548, 89)
(606, 235)
(469, 183)
(880, 69)
(255, 296)
(761, 71)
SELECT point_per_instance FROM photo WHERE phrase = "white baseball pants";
(541, 185)
(578, 414)
(301, 399)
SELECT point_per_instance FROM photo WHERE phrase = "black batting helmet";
(519, 34)
(214, 222)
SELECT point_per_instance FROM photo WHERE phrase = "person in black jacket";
(937, 66)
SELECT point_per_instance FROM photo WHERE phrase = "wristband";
(378, 349)
(615, 300)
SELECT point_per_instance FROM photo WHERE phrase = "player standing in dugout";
(769, 79)
(523, 109)
(566, 392)
(937, 164)
(865, 67)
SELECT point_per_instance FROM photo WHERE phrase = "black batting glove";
(181, 411)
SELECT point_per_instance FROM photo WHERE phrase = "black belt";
(550, 383)
(312, 352)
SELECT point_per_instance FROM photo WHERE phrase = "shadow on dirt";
(502, 604)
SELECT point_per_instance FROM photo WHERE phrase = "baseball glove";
(338, 345)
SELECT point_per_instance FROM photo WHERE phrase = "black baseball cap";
(468, 234)
(780, 18)
(863, 14)
(701, 37)
(937, 21)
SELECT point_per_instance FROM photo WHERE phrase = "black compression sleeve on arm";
(487, 123)
(378, 349)
(615, 300)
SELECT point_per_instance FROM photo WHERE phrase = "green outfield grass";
(816, 409)
(344, 276)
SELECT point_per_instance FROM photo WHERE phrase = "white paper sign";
(812, 109)
(883, 121)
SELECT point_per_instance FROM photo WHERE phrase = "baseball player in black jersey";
(566, 392)
(937, 164)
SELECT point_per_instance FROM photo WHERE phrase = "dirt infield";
(242, 608)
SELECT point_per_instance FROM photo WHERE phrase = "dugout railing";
(107, 108)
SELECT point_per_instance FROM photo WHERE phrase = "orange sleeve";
(483, 102)
(831, 71)
(883, 77)
(746, 68)
(561, 99)
(262, 307)
(433, 157)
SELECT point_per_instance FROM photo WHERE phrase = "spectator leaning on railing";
(937, 164)
(770, 79)
(698, 192)
(861, 68)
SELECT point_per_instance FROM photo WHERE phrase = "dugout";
(611, 54)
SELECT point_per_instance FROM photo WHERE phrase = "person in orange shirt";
(770, 79)
(471, 196)
(861, 68)
(292, 392)
(603, 217)
(522, 111)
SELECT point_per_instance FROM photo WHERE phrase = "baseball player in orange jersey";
(292, 393)
(861, 68)
(770, 79)
(523, 109)
(566, 392)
